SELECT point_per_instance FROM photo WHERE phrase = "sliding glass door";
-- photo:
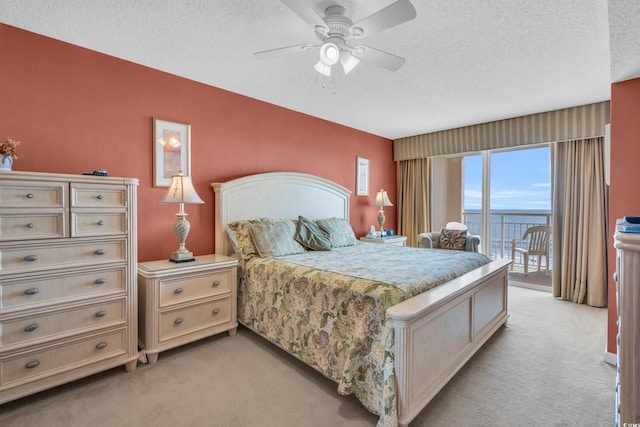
(504, 193)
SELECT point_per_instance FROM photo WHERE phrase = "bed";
(393, 345)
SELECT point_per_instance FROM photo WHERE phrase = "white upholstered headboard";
(276, 195)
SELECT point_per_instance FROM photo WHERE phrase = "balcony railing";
(505, 226)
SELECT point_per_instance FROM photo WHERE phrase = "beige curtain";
(579, 222)
(414, 185)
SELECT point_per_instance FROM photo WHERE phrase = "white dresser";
(628, 303)
(68, 296)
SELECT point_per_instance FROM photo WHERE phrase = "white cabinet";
(628, 303)
(67, 279)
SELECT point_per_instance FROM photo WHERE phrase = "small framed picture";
(362, 176)
(171, 151)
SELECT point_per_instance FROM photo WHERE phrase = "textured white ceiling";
(468, 61)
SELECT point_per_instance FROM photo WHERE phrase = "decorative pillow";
(453, 239)
(244, 238)
(311, 235)
(275, 238)
(233, 240)
(340, 232)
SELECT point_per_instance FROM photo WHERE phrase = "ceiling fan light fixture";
(329, 53)
(323, 68)
(348, 62)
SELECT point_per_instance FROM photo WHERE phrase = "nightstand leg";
(152, 358)
(232, 332)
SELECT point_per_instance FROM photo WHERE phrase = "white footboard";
(438, 331)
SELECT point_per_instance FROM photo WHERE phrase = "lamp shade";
(382, 199)
(181, 191)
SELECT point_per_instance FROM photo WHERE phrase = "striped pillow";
(340, 232)
(275, 238)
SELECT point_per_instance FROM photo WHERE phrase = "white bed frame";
(435, 332)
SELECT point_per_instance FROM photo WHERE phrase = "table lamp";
(382, 200)
(181, 191)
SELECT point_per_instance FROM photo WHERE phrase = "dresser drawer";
(34, 225)
(28, 195)
(98, 224)
(102, 196)
(175, 323)
(60, 358)
(23, 258)
(178, 289)
(28, 292)
(49, 325)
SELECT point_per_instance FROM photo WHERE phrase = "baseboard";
(610, 358)
(529, 286)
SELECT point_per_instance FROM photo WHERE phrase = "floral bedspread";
(328, 309)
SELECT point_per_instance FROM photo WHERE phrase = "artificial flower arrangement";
(8, 148)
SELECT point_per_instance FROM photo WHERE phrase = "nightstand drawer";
(39, 327)
(26, 293)
(40, 225)
(98, 224)
(19, 194)
(60, 358)
(25, 258)
(191, 319)
(103, 196)
(178, 289)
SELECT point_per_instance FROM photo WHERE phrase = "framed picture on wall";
(171, 151)
(362, 176)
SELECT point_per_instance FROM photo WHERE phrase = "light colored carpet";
(545, 369)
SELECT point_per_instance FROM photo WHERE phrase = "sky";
(520, 179)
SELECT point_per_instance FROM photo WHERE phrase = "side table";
(182, 302)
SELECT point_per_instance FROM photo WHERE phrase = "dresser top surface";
(43, 176)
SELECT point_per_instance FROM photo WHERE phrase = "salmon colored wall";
(624, 195)
(75, 110)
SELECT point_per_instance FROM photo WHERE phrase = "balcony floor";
(535, 279)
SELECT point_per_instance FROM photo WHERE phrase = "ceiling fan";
(337, 33)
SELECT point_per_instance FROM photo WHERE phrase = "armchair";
(431, 240)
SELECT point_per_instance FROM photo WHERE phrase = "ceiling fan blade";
(394, 14)
(272, 53)
(378, 57)
(304, 10)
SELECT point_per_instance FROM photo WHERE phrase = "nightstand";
(183, 302)
(389, 240)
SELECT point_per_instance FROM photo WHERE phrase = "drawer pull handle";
(178, 321)
(100, 281)
(101, 222)
(31, 327)
(31, 258)
(101, 345)
(100, 252)
(31, 291)
(99, 197)
(216, 283)
(33, 364)
(178, 291)
(29, 196)
(101, 313)
(216, 310)
(31, 225)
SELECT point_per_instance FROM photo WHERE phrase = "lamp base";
(181, 260)
(182, 256)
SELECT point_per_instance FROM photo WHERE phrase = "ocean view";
(505, 226)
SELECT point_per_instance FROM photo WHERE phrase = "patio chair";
(534, 242)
